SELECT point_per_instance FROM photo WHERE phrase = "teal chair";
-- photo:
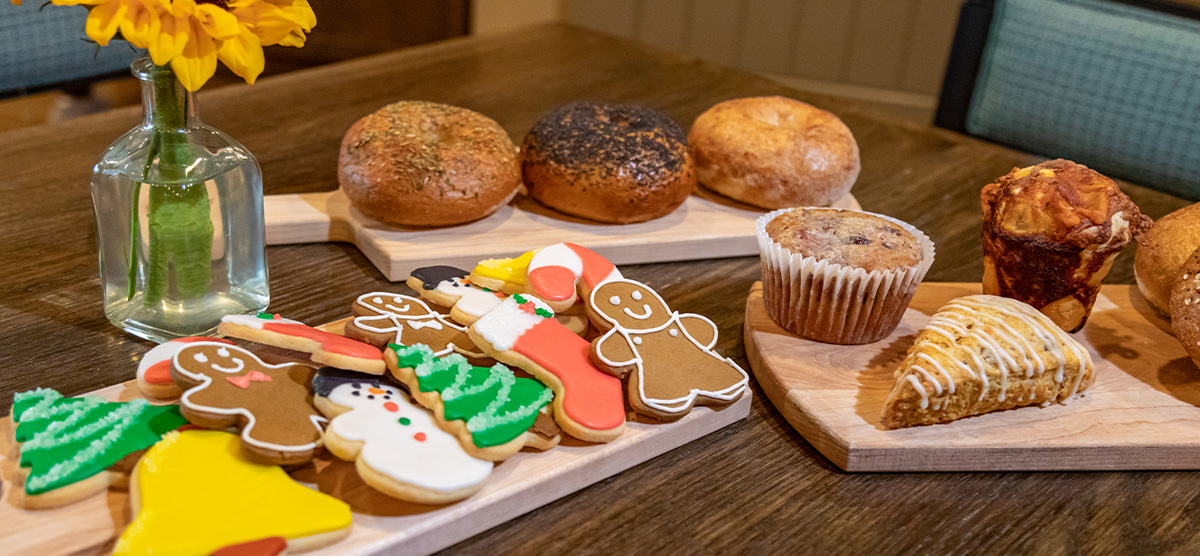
(47, 48)
(1115, 86)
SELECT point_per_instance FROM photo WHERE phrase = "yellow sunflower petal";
(80, 2)
(282, 25)
(103, 21)
(172, 38)
(218, 23)
(244, 55)
(141, 26)
(198, 62)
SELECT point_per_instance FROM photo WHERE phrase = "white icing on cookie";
(503, 325)
(255, 322)
(402, 441)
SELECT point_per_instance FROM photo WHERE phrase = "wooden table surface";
(755, 487)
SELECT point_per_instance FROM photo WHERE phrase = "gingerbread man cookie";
(451, 287)
(154, 370)
(667, 355)
(227, 386)
(397, 447)
(382, 318)
(326, 348)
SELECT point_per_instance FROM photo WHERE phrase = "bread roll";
(1161, 256)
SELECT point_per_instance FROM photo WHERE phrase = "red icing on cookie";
(554, 283)
(420, 437)
(595, 267)
(391, 406)
(159, 373)
(270, 546)
(329, 341)
(590, 397)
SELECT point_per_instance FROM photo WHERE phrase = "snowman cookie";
(382, 318)
(154, 370)
(396, 446)
(451, 287)
(229, 387)
(326, 348)
(667, 355)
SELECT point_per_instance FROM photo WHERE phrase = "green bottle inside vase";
(179, 215)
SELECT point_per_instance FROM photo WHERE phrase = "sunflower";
(191, 35)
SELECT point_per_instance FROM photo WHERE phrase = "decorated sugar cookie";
(564, 272)
(667, 355)
(154, 370)
(383, 318)
(227, 386)
(326, 348)
(397, 447)
(451, 287)
(75, 447)
(521, 332)
(488, 409)
(196, 493)
(506, 275)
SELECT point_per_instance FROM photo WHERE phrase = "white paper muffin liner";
(835, 303)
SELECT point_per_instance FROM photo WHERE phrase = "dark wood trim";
(974, 21)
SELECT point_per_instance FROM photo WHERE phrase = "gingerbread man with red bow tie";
(227, 386)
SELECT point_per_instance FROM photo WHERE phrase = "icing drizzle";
(999, 327)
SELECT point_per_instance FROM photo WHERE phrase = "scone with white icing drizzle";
(983, 353)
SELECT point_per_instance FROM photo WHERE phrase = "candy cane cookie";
(521, 332)
(562, 273)
(326, 348)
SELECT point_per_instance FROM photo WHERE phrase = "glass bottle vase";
(179, 216)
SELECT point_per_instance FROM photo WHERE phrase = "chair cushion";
(42, 47)
(1109, 85)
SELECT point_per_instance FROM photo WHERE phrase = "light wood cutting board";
(521, 484)
(706, 226)
(1142, 413)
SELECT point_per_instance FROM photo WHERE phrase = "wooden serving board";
(1142, 413)
(521, 484)
(706, 226)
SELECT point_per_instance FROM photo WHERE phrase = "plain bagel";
(416, 163)
(774, 152)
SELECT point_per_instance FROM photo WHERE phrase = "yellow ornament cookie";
(194, 492)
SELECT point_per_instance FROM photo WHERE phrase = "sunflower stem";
(178, 224)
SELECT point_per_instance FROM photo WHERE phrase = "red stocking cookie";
(563, 272)
(227, 386)
(387, 318)
(521, 332)
(326, 348)
(668, 355)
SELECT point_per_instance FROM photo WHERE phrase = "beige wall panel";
(664, 23)
(498, 16)
(822, 35)
(880, 44)
(768, 27)
(929, 47)
(615, 17)
(716, 30)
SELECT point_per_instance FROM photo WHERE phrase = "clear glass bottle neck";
(167, 104)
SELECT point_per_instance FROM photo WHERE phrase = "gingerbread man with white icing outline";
(667, 355)
(381, 318)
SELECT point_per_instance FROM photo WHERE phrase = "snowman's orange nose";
(376, 391)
